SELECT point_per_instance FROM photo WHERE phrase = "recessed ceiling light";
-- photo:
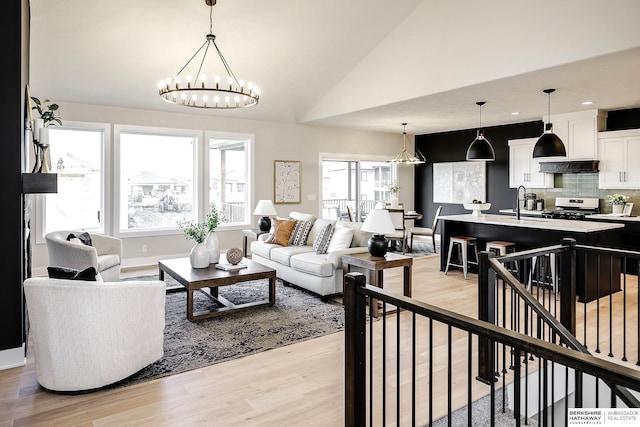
(587, 103)
(515, 113)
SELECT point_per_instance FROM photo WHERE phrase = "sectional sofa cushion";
(314, 264)
(283, 254)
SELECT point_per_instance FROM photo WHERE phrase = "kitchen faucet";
(518, 200)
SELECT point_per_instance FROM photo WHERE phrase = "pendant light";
(404, 157)
(549, 144)
(480, 148)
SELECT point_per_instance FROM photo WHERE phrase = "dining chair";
(397, 218)
(350, 212)
(425, 231)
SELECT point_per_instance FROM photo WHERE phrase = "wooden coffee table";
(194, 279)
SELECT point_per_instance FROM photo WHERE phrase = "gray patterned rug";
(297, 316)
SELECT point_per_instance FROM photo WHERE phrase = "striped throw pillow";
(321, 244)
(300, 233)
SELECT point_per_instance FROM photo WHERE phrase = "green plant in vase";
(213, 218)
(48, 112)
(199, 255)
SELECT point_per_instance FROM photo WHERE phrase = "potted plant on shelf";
(213, 218)
(199, 256)
(394, 189)
(617, 202)
(47, 111)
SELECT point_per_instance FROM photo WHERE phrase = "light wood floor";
(299, 384)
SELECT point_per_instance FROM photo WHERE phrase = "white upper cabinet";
(579, 132)
(523, 168)
(619, 154)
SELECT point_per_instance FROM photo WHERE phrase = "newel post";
(486, 312)
(355, 347)
(567, 280)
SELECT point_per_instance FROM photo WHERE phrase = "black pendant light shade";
(549, 144)
(480, 148)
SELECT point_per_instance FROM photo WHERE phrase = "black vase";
(378, 245)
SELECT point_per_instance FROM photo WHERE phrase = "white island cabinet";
(619, 154)
(523, 168)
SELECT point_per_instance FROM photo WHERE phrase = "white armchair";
(104, 254)
(87, 335)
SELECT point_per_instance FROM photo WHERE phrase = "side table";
(376, 267)
(252, 233)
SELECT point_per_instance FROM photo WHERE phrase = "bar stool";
(501, 248)
(463, 243)
(546, 271)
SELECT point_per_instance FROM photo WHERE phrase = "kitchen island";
(528, 233)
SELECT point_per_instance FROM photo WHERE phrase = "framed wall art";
(286, 181)
(459, 182)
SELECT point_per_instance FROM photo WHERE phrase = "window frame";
(118, 129)
(250, 168)
(40, 202)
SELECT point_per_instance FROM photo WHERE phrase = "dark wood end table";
(376, 267)
(194, 279)
(252, 233)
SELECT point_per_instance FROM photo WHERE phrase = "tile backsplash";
(583, 185)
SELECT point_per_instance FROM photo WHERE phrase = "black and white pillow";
(84, 238)
(321, 244)
(88, 274)
(300, 233)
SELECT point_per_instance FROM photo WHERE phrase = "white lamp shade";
(265, 208)
(378, 222)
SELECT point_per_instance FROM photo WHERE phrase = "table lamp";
(379, 223)
(264, 209)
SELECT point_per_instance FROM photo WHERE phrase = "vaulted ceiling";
(363, 64)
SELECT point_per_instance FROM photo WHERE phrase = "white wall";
(273, 141)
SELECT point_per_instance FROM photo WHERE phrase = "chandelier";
(196, 90)
(404, 157)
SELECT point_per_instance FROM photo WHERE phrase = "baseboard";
(12, 358)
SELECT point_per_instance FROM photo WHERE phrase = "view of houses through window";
(76, 156)
(158, 177)
(354, 185)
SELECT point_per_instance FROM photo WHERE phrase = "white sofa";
(301, 265)
(87, 335)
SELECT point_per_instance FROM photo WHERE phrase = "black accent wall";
(452, 147)
(12, 79)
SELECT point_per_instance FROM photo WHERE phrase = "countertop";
(531, 212)
(609, 216)
(540, 223)
(614, 217)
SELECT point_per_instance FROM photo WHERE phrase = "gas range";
(576, 208)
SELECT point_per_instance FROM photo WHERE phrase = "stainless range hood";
(576, 166)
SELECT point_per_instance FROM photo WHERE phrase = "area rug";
(298, 315)
(422, 248)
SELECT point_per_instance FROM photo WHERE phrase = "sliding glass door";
(351, 188)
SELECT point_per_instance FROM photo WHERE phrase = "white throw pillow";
(341, 238)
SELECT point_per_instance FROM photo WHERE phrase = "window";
(341, 188)
(229, 159)
(156, 170)
(160, 176)
(76, 152)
